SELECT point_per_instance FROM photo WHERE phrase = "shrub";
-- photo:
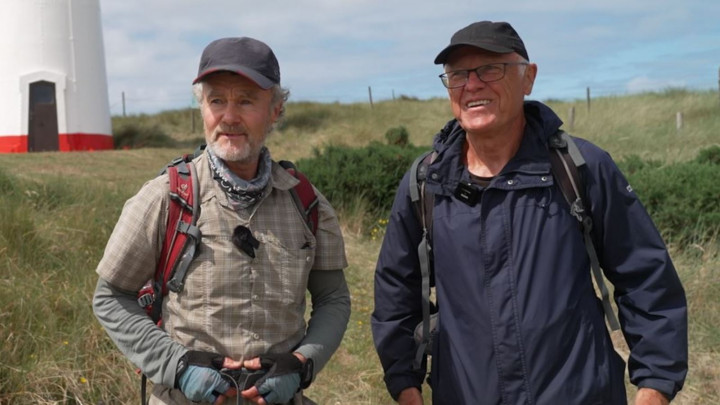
(682, 199)
(404, 97)
(397, 136)
(632, 164)
(372, 173)
(134, 136)
(709, 155)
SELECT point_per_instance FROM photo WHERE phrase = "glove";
(280, 390)
(198, 376)
(283, 378)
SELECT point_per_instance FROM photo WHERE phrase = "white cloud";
(644, 83)
(332, 50)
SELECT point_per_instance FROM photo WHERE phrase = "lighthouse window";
(43, 93)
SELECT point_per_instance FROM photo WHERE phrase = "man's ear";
(276, 110)
(529, 78)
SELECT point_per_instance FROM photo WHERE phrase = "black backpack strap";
(565, 158)
(423, 201)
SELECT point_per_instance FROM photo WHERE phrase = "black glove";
(285, 375)
(198, 376)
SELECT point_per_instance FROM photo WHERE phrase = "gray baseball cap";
(244, 56)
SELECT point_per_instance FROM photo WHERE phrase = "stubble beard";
(247, 152)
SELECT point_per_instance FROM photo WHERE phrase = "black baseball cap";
(244, 56)
(499, 37)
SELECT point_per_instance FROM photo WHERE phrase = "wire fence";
(128, 104)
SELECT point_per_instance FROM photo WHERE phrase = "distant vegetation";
(58, 210)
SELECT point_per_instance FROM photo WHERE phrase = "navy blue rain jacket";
(519, 320)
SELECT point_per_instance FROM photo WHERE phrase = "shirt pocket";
(287, 269)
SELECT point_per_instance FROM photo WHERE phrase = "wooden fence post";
(678, 121)
(370, 96)
(588, 99)
(571, 118)
(123, 103)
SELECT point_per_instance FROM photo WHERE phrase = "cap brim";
(251, 74)
(445, 53)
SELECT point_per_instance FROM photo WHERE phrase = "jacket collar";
(448, 169)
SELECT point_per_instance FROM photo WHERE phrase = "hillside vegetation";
(58, 210)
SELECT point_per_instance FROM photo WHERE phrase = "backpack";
(565, 159)
(182, 236)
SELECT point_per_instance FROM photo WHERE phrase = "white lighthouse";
(53, 84)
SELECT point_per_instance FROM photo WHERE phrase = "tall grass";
(58, 209)
(645, 124)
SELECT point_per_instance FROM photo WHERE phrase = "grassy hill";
(58, 210)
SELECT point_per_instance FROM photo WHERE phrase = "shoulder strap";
(424, 201)
(304, 196)
(187, 234)
(182, 236)
(565, 158)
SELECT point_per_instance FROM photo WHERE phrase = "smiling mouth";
(477, 103)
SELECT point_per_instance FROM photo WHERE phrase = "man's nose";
(474, 81)
(232, 114)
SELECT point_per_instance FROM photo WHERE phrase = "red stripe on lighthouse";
(66, 143)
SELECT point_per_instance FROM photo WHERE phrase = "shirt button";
(434, 176)
(511, 182)
(255, 336)
(307, 259)
(543, 178)
(255, 296)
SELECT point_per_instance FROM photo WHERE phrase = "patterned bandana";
(243, 194)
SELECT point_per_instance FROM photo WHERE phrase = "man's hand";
(649, 396)
(199, 378)
(280, 383)
(410, 396)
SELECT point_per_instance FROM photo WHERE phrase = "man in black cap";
(518, 321)
(242, 304)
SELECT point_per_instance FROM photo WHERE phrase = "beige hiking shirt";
(231, 304)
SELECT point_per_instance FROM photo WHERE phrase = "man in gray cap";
(517, 318)
(242, 305)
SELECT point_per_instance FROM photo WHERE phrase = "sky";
(341, 50)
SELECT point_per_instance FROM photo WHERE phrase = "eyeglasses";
(486, 73)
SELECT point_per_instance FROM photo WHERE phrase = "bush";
(709, 155)
(372, 173)
(397, 136)
(682, 199)
(135, 136)
(632, 164)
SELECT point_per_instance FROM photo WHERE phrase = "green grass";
(58, 210)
